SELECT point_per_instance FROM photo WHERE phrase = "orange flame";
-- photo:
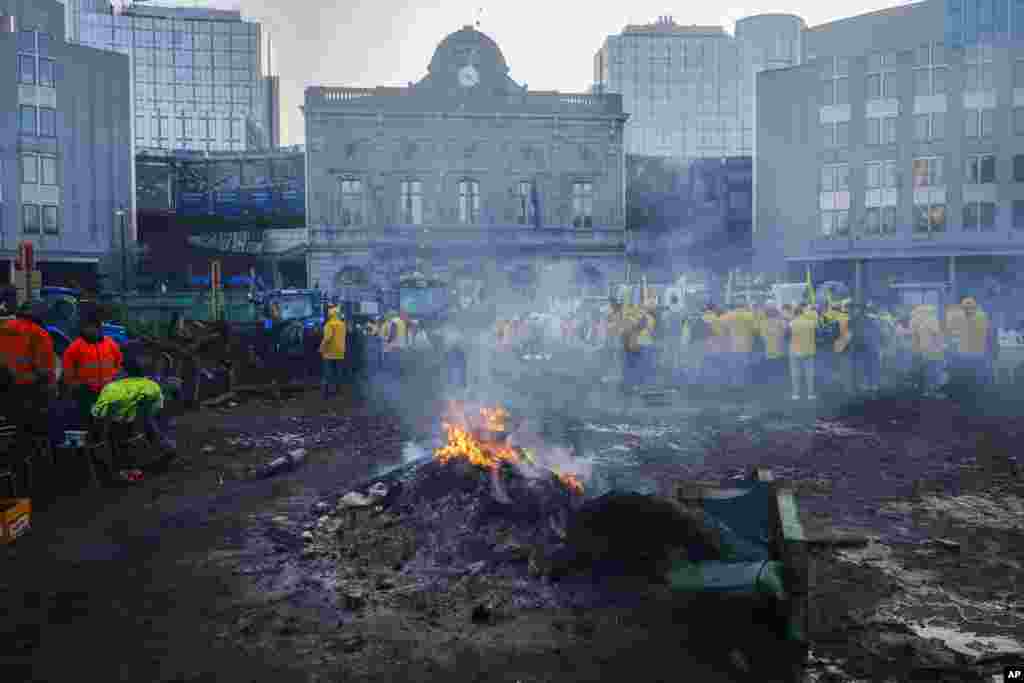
(494, 418)
(484, 453)
(571, 481)
(462, 444)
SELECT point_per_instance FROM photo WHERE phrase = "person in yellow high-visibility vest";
(928, 347)
(972, 332)
(742, 327)
(715, 344)
(395, 339)
(772, 329)
(332, 351)
(802, 350)
(841, 347)
(646, 323)
(629, 329)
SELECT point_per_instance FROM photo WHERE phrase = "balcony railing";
(545, 101)
(907, 242)
(460, 236)
(328, 95)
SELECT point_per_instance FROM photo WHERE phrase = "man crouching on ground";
(135, 396)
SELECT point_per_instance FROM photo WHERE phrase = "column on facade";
(858, 279)
(952, 279)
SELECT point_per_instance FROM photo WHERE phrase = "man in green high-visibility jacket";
(134, 396)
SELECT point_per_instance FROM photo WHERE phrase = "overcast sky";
(548, 45)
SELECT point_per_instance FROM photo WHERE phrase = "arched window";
(526, 203)
(412, 202)
(583, 204)
(469, 201)
(351, 209)
(351, 276)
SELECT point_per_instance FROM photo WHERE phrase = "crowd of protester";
(836, 347)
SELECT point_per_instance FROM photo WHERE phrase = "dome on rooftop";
(465, 46)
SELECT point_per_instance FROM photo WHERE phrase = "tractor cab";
(290, 316)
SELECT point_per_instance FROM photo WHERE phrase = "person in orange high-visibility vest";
(26, 350)
(91, 362)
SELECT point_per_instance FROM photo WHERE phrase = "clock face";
(468, 76)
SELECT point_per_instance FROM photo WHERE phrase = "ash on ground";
(442, 536)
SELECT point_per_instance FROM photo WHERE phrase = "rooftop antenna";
(479, 13)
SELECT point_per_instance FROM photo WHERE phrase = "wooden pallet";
(790, 544)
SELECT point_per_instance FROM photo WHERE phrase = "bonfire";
(480, 438)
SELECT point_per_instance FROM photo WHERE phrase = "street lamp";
(122, 215)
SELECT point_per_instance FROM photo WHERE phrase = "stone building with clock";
(464, 175)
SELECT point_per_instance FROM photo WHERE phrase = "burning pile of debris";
(493, 498)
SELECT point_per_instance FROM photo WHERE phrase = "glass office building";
(689, 90)
(197, 74)
(968, 22)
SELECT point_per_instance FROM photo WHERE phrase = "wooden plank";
(789, 516)
(792, 548)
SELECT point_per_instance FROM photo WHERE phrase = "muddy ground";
(201, 573)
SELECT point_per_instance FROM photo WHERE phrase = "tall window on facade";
(469, 201)
(51, 225)
(34, 63)
(880, 80)
(524, 203)
(583, 204)
(978, 68)
(30, 219)
(206, 131)
(836, 135)
(27, 120)
(834, 200)
(1018, 214)
(978, 123)
(412, 202)
(163, 130)
(929, 196)
(38, 169)
(929, 127)
(981, 168)
(1018, 168)
(141, 129)
(27, 69)
(47, 122)
(881, 130)
(979, 216)
(47, 169)
(351, 202)
(835, 75)
(930, 70)
(881, 182)
(47, 78)
(29, 169)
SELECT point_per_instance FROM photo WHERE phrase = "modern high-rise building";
(689, 90)
(894, 155)
(65, 157)
(198, 75)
